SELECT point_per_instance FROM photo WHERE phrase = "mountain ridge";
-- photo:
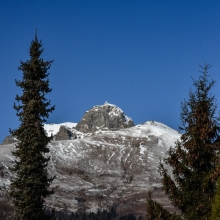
(99, 118)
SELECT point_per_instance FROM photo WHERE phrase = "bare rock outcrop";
(9, 140)
(104, 117)
(64, 134)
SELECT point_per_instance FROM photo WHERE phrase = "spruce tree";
(31, 185)
(194, 161)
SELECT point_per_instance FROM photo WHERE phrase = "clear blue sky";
(139, 54)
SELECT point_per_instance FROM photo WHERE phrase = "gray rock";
(9, 140)
(104, 117)
(64, 134)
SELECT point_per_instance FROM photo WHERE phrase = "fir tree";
(30, 187)
(194, 160)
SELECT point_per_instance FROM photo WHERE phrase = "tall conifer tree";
(194, 162)
(30, 187)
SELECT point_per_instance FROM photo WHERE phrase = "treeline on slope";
(194, 161)
(99, 215)
(7, 213)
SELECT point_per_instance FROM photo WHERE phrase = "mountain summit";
(104, 117)
(100, 118)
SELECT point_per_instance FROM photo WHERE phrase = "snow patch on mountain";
(116, 111)
(53, 129)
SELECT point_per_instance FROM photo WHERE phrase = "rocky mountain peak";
(104, 117)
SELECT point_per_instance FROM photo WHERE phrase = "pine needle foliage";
(156, 212)
(194, 160)
(31, 185)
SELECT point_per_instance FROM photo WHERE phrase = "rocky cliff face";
(104, 117)
(64, 134)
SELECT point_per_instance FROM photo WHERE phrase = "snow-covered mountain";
(104, 167)
(99, 119)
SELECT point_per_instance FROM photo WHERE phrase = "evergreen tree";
(156, 212)
(216, 203)
(30, 187)
(194, 160)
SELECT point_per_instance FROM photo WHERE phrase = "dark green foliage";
(194, 162)
(156, 212)
(216, 203)
(128, 217)
(30, 187)
(6, 208)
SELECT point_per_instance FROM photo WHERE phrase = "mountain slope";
(109, 168)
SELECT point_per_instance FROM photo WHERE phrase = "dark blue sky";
(139, 55)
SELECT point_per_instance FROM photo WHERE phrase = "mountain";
(98, 119)
(104, 168)
(107, 116)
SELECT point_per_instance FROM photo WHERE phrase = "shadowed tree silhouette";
(194, 162)
(31, 185)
